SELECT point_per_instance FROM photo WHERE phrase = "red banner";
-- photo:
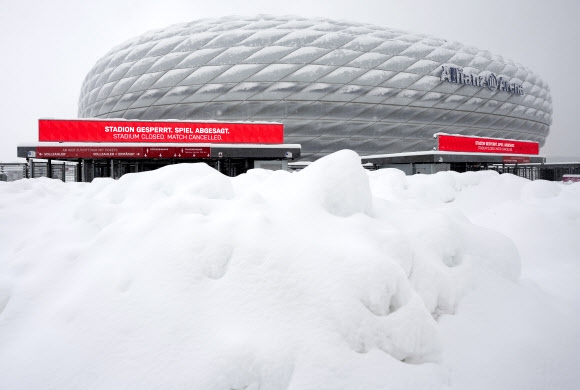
(456, 143)
(59, 130)
(571, 178)
(93, 152)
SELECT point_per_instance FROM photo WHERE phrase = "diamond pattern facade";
(333, 84)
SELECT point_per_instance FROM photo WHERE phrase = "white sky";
(47, 47)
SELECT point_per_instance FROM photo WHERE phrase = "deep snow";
(330, 278)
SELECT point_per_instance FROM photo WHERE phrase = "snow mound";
(333, 277)
(540, 189)
(339, 183)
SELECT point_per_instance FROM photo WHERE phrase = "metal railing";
(13, 171)
(16, 171)
(549, 171)
(62, 171)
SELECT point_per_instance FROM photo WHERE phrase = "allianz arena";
(333, 84)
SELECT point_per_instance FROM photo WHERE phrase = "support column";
(49, 168)
(84, 172)
(79, 172)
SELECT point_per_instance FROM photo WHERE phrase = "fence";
(62, 171)
(15, 171)
(549, 171)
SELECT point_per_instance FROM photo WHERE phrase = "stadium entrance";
(106, 148)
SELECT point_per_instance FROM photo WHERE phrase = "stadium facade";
(332, 84)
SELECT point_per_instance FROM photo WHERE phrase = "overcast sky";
(47, 47)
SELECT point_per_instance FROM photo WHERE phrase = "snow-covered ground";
(330, 278)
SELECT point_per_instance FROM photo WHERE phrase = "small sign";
(516, 160)
(159, 153)
(193, 152)
(571, 178)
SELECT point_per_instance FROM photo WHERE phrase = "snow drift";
(330, 278)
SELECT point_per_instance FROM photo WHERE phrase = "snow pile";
(330, 278)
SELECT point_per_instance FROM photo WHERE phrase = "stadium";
(333, 84)
(248, 92)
